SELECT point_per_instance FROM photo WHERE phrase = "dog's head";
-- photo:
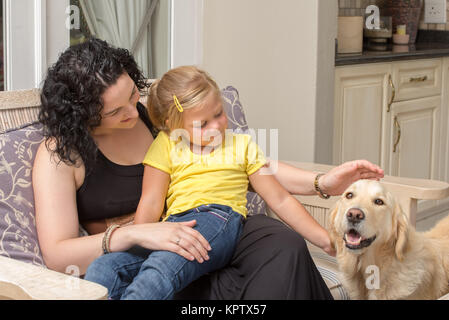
(367, 215)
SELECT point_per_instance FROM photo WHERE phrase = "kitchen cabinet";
(395, 114)
(390, 114)
(416, 79)
(362, 94)
(412, 134)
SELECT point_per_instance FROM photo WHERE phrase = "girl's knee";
(99, 269)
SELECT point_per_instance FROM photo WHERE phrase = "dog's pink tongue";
(353, 238)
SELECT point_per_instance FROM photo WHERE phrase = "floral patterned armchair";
(23, 274)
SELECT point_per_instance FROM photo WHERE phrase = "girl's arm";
(154, 191)
(301, 182)
(290, 210)
(155, 184)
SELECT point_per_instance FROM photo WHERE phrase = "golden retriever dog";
(380, 256)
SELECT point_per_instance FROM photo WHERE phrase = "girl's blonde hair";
(189, 84)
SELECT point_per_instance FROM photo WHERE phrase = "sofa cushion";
(18, 237)
(18, 147)
(237, 121)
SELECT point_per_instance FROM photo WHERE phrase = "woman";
(89, 170)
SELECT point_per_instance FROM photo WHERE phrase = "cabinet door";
(414, 133)
(362, 94)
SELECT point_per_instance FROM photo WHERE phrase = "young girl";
(202, 171)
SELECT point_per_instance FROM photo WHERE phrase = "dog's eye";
(349, 195)
(379, 202)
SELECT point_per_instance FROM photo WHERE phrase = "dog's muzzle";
(354, 240)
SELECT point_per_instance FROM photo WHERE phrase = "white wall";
(280, 56)
(324, 120)
(161, 38)
(58, 36)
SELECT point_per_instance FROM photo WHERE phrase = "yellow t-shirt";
(219, 177)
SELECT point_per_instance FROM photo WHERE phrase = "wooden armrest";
(23, 281)
(414, 188)
(406, 190)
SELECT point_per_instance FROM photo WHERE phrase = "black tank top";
(112, 190)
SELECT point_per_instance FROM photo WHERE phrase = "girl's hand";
(177, 237)
(336, 181)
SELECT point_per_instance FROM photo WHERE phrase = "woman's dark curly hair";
(71, 97)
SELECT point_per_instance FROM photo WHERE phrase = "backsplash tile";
(357, 8)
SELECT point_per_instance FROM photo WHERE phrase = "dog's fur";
(411, 265)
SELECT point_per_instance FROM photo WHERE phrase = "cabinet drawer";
(417, 79)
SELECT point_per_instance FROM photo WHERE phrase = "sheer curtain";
(125, 24)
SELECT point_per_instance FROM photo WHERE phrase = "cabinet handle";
(393, 92)
(397, 125)
(418, 79)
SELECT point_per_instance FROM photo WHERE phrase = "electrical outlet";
(435, 11)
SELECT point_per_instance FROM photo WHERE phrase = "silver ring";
(177, 241)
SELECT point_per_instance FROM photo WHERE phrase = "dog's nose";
(355, 215)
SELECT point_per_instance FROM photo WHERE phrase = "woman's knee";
(275, 234)
(289, 240)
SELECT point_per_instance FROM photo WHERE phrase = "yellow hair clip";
(177, 104)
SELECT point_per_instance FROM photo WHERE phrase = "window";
(141, 26)
(82, 34)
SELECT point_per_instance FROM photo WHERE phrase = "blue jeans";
(156, 275)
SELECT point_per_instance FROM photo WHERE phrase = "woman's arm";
(290, 210)
(54, 186)
(154, 191)
(151, 206)
(301, 182)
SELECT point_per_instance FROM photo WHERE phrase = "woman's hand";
(336, 181)
(329, 248)
(177, 237)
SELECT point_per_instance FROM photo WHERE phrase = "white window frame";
(186, 32)
(28, 43)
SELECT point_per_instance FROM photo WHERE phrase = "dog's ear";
(402, 230)
(333, 235)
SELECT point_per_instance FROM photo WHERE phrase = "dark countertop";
(428, 45)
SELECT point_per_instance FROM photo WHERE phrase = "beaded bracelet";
(107, 237)
(318, 189)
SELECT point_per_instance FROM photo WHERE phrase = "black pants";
(271, 262)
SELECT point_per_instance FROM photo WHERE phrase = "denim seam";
(114, 287)
(216, 235)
